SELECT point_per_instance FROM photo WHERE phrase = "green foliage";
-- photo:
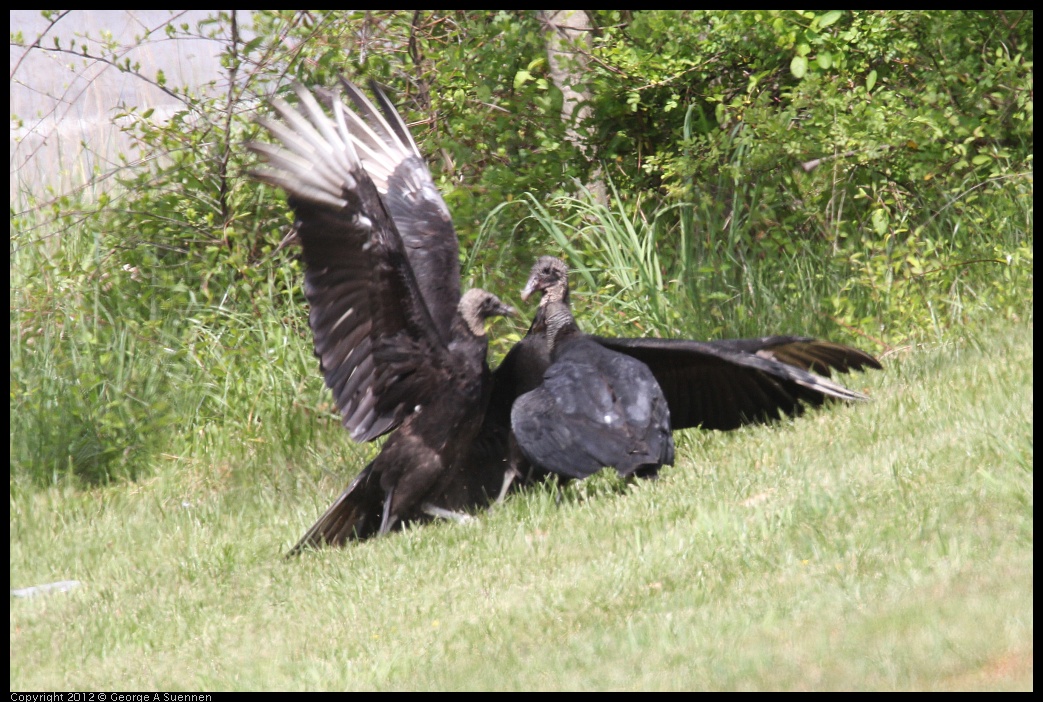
(114, 367)
(912, 95)
(88, 397)
(613, 244)
(661, 272)
(917, 269)
(842, 134)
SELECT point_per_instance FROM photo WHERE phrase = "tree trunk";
(568, 48)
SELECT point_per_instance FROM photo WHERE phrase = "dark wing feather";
(815, 355)
(390, 156)
(366, 305)
(716, 386)
(355, 515)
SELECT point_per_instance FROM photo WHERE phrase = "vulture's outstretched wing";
(380, 351)
(715, 386)
(815, 355)
(393, 161)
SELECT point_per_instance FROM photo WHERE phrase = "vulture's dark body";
(419, 460)
(594, 408)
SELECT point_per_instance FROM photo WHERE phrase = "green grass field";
(873, 547)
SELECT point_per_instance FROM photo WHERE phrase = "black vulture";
(720, 384)
(398, 345)
(594, 407)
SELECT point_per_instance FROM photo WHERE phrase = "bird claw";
(442, 513)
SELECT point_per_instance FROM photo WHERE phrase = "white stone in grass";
(60, 586)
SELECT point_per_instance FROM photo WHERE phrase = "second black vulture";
(594, 407)
(723, 384)
(398, 345)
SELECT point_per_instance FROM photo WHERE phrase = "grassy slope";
(884, 546)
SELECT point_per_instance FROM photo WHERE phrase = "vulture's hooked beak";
(530, 288)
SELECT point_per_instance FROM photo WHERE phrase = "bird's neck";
(560, 323)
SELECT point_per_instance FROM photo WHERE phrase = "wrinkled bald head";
(477, 305)
(550, 276)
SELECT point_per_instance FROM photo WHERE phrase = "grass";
(885, 546)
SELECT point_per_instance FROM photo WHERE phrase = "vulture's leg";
(509, 477)
(385, 521)
(512, 473)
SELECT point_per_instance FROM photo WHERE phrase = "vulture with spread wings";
(401, 349)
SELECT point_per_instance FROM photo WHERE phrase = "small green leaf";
(870, 81)
(521, 78)
(824, 60)
(798, 66)
(880, 221)
(829, 18)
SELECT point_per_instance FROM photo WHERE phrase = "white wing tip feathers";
(314, 157)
